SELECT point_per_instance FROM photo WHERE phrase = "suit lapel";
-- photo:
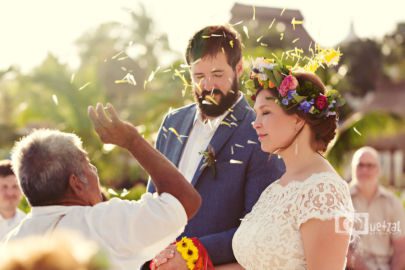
(183, 128)
(224, 132)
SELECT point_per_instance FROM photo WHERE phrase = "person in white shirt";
(10, 196)
(63, 189)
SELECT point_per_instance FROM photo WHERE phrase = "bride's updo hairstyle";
(299, 92)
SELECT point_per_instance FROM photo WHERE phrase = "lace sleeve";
(325, 197)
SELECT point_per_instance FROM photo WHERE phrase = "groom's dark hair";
(213, 39)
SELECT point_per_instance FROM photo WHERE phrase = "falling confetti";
(358, 132)
(151, 76)
(231, 43)
(118, 54)
(211, 99)
(232, 151)
(112, 192)
(72, 78)
(281, 36)
(55, 100)
(294, 22)
(84, 86)
(233, 117)
(225, 123)
(129, 78)
(263, 44)
(234, 161)
(295, 40)
(238, 145)
(271, 24)
(122, 58)
(251, 142)
(282, 12)
(245, 29)
(254, 13)
(124, 193)
(108, 147)
(172, 129)
(237, 23)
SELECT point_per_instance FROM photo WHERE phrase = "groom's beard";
(225, 102)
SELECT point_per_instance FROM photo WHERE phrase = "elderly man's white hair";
(44, 160)
(361, 151)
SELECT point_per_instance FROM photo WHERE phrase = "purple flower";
(285, 101)
(291, 94)
(305, 106)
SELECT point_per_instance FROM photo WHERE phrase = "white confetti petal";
(234, 161)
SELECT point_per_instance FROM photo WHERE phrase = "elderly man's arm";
(398, 237)
(398, 259)
(166, 177)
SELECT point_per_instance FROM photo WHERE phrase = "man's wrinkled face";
(215, 84)
(367, 168)
(93, 183)
(10, 193)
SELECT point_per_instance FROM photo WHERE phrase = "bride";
(300, 221)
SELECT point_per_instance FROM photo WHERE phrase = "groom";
(218, 152)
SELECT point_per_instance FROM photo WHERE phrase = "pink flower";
(288, 83)
(321, 102)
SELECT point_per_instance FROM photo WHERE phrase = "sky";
(32, 28)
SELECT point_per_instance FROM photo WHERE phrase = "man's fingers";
(103, 119)
(93, 116)
(112, 113)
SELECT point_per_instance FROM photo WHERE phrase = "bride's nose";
(256, 124)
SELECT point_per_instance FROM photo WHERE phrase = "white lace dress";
(269, 236)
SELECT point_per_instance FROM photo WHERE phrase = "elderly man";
(10, 196)
(63, 189)
(384, 245)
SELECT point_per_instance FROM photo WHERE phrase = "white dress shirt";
(6, 225)
(198, 140)
(131, 232)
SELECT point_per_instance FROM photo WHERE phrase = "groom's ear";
(239, 68)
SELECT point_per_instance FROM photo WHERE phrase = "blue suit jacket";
(231, 194)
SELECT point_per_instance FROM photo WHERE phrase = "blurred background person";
(65, 250)
(10, 196)
(383, 247)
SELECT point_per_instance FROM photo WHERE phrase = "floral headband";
(291, 92)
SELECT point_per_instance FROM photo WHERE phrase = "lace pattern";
(269, 237)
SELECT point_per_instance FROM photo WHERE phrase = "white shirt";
(198, 140)
(131, 232)
(6, 225)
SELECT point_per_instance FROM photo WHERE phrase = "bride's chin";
(266, 148)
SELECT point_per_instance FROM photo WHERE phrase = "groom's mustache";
(205, 93)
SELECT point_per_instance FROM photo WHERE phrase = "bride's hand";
(164, 256)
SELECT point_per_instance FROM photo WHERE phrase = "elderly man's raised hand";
(110, 128)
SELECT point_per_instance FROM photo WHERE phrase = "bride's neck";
(299, 156)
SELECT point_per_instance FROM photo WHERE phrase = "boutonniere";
(209, 159)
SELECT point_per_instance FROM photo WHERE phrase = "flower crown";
(291, 92)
